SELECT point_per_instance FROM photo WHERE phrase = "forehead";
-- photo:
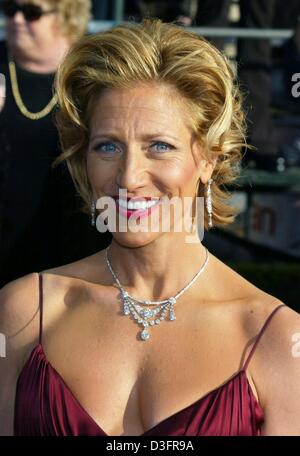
(151, 103)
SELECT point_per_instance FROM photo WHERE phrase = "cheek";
(37, 32)
(54, 25)
(44, 30)
(99, 173)
(180, 177)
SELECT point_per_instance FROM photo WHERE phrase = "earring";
(194, 205)
(93, 213)
(209, 203)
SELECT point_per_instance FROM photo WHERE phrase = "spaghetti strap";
(41, 305)
(259, 335)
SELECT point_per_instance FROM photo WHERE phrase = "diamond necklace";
(150, 317)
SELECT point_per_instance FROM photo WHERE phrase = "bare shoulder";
(277, 370)
(19, 305)
(262, 310)
(19, 299)
(265, 310)
(19, 329)
(254, 304)
(253, 307)
(89, 269)
(281, 332)
(274, 368)
(275, 364)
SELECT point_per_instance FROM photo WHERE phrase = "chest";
(126, 384)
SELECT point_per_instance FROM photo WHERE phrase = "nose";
(132, 171)
(18, 18)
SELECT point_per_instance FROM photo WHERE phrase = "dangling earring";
(209, 203)
(93, 213)
(194, 206)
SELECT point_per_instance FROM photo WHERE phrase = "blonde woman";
(154, 335)
(36, 211)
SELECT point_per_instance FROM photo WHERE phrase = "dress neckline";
(240, 373)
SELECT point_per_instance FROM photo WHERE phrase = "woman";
(153, 110)
(40, 214)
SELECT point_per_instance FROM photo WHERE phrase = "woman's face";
(37, 35)
(140, 140)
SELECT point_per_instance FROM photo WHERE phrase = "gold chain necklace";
(19, 102)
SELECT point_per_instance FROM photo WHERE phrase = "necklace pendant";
(172, 315)
(146, 313)
(126, 303)
(126, 310)
(144, 334)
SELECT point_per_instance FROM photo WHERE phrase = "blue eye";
(110, 148)
(107, 147)
(162, 146)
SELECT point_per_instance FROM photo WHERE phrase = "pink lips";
(139, 213)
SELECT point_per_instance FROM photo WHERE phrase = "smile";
(137, 205)
(139, 208)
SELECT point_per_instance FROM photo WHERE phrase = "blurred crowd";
(41, 224)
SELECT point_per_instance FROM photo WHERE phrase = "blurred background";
(41, 225)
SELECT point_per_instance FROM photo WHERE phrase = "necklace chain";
(19, 102)
(143, 316)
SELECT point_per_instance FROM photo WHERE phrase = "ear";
(206, 169)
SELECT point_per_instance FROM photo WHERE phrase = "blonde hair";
(154, 52)
(74, 16)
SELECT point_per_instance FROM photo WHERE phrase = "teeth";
(137, 204)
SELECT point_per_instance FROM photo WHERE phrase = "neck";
(40, 61)
(158, 270)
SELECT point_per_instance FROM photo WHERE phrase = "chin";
(135, 240)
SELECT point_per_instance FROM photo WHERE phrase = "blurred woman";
(40, 214)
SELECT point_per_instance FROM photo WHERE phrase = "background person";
(41, 223)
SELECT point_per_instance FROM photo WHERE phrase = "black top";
(41, 225)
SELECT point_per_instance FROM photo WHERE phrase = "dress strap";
(41, 305)
(260, 334)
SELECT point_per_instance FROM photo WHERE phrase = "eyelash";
(97, 147)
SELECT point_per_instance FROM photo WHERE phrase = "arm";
(19, 326)
(282, 382)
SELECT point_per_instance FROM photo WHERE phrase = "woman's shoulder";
(89, 270)
(18, 329)
(19, 322)
(240, 297)
(77, 282)
(272, 331)
(20, 298)
(275, 326)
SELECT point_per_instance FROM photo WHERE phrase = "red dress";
(44, 404)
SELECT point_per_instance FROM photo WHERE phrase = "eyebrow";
(143, 137)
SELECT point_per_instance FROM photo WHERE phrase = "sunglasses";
(31, 12)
